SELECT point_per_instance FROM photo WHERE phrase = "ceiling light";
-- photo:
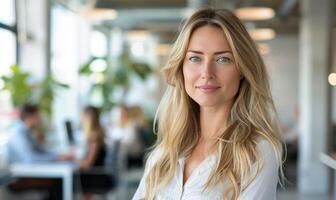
(98, 65)
(332, 79)
(99, 13)
(262, 34)
(255, 13)
(137, 34)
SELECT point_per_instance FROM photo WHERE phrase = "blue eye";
(194, 59)
(223, 60)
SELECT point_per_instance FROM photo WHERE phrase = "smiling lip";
(207, 88)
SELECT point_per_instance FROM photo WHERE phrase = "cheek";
(189, 77)
(232, 80)
(191, 72)
(187, 82)
(235, 86)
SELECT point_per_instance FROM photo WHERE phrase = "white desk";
(330, 162)
(47, 170)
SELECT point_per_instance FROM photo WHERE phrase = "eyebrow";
(216, 53)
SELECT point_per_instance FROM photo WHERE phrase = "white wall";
(283, 64)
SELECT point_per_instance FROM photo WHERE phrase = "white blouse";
(262, 188)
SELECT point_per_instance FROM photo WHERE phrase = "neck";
(213, 121)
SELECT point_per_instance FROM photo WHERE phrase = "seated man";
(24, 148)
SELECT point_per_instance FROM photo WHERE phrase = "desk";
(47, 170)
(330, 162)
(5, 177)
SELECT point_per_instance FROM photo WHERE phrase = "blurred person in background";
(24, 147)
(94, 158)
(129, 136)
(133, 143)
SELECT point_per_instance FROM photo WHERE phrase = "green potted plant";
(22, 90)
(116, 77)
(17, 84)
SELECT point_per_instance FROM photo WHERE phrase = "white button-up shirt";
(262, 188)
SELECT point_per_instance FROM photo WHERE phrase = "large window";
(8, 57)
(7, 36)
(69, 50)
(7, 12)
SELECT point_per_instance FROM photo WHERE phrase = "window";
(69, 43)
(7, 51)
(8, 57)
(8, 35)
(7, 12)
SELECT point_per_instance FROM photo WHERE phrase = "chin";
(207, 103)
(214, 101)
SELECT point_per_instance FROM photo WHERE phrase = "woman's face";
(210, 74)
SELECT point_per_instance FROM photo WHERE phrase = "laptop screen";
(69, 131)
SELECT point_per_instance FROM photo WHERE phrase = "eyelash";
(192, 58)
(226, 59)
(218, 60)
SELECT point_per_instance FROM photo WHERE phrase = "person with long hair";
(90, 180)
(94, 136)
(218, 135)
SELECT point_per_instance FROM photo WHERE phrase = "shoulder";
(267, 163)
(264, 146)
(96, 136)
(262, 181)
(268, 153)
(153, 157)
(19, 127)
(18, 132)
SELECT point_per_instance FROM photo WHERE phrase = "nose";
(207, 70)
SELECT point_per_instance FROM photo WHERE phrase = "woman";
(217, 133)
(92, 181)
(139, 126)
(94, 135)
(131, 146)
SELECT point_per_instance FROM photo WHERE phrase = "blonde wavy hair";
(253, 115)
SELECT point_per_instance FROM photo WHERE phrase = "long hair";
(91, 124)
(252, 117)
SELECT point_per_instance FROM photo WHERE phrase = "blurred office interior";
(66, 54)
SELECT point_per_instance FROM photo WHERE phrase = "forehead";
(208, 38)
